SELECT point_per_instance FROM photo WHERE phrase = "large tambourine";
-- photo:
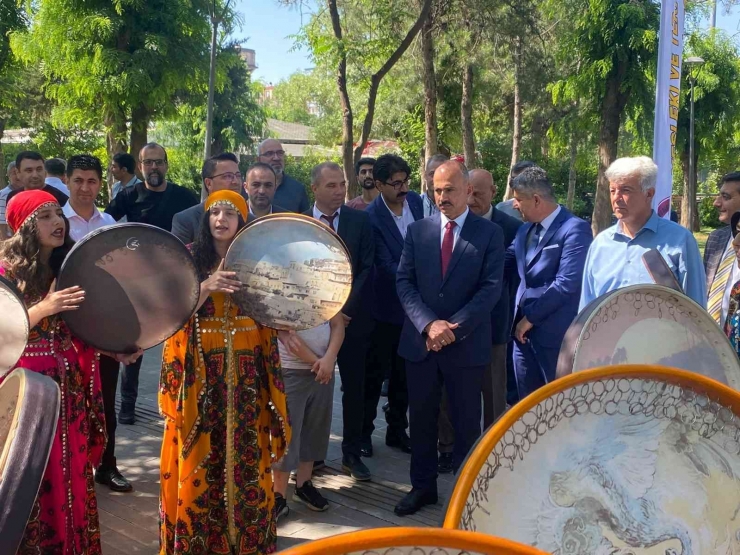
(29, 410)
(140, 284)
(13, 326)
(411, 541)
(295, 272)
(623, 459)
(648, 324)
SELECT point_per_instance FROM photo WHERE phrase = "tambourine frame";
(13, 290)
(289, 216)
(135, 225)
(574, 335)
(475, 460)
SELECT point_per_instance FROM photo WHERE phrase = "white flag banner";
(670, 53)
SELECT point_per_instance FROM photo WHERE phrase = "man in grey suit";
(718, 252)
(219, 172)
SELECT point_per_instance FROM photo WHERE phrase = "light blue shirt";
(460, 221)
(614, 260)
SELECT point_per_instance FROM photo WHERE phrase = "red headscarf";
(24, 206)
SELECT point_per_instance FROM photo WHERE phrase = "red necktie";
(330, 219)
(447, 243)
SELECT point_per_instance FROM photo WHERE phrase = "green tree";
(109, 63)
(12, 19)
(609, 48)
(716, 112)
(360, 39)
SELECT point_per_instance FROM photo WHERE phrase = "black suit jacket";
(465, 295)
(502, 314)
(713, 251)
(355, 230)
(186, 224)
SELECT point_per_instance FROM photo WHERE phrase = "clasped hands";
(440, 335)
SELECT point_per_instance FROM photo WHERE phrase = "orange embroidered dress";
(223, 399)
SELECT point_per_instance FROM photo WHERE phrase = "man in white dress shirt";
(353, 226)
(56, 169)
(84, 177)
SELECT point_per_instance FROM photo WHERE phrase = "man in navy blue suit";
(449, 279)
(550, 253)
(392, 211)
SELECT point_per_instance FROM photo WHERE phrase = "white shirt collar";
(405, 207)
(547, 222)
(70, 213)
(460, 220)
(488, 215)
(318, 213)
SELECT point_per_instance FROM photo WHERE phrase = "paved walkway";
(129, 521)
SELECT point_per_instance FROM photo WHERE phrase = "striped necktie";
(719, 284)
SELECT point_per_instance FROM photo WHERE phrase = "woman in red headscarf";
(64, 520)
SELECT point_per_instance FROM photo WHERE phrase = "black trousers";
(383, 354)
(351, 361)
(463, 386)
(108, 383)
(130, 386)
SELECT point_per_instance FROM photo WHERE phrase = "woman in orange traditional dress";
(223, 399)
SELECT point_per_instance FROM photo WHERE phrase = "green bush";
(708, 213)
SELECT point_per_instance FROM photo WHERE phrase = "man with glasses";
(154, 202)
(220, 172)
(290, 194)
(392, 211)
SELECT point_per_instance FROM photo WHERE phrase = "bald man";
(501, 370)
(290, 194)
(449, 278)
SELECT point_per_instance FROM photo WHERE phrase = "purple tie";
(447, 243)
(329, 219)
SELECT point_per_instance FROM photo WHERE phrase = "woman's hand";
(127, 359)
(324, 369)
(221, 282)
(61, 301)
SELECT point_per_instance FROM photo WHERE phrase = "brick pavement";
(129, 520)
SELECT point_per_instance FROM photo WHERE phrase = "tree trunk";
(517, 138)
(572, 171)
(375, 80)
(139, 128)
(611, 115)
(431, 140)
(466, 115)
(347, 117)
(115, 137)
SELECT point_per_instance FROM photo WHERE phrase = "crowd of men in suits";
(461, 305)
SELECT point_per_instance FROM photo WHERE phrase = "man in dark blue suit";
(449, 279)
(550, 254)
(392, 211)
(502, 315)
